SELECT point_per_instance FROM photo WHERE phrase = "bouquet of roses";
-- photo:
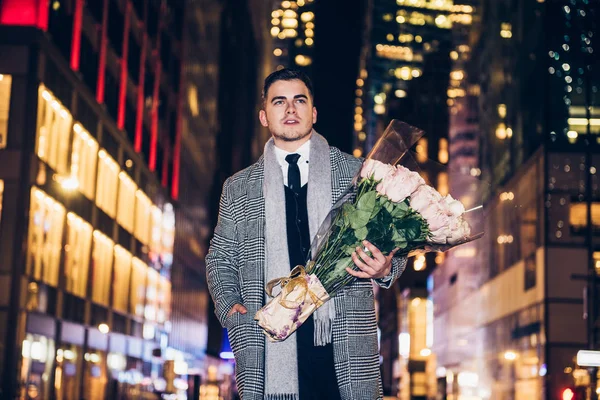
(389, 205)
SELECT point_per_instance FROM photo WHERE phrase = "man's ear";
(314, 115)
(262, 116)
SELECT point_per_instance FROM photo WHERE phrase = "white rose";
(440, 236)
(436, 216)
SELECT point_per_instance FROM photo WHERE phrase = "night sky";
(338, 38)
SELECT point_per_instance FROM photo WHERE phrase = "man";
(269, 213)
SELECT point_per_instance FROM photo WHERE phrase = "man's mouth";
(291, 122)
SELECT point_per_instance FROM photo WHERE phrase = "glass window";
(5, 86)
(138, 287)
(84, 157)
(53, 131)
(102, 260)
(1, 196)
(155, 238)
(38, 356)
(164, 300)
(44, 242)
(68, 371)
(151, 309)
(121, 282)
(107, 184)
(143, 210)
(126, 211)
(95, 375)
(77, 254)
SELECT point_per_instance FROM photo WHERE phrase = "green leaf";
(366, 202)
(359, 219)
(361, 233)
(411, 228)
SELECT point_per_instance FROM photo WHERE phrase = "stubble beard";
(291, 136)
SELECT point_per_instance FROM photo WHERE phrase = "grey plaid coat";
(235, 272)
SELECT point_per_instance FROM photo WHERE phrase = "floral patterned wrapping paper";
(298, 299)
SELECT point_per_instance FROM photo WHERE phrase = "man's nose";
(291, 109)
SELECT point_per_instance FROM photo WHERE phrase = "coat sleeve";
(221, 259)
(398, 265)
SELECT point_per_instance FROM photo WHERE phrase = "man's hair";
(285, 74)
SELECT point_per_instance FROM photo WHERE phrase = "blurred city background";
(121, 119)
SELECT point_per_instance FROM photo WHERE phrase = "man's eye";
(301, 101)
(278, 102)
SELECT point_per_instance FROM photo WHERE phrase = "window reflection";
(68, 372)
(95, 377)
(84, 157)
(46, 220)
(121, 280)
(36, 369)
(107, 185)
(53, 131)
(125, 210)
(5, 87)
(102, 260)
(77, 254)
(138, 287)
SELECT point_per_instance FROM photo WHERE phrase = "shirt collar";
(303, 150)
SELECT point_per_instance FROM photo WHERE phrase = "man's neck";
(291, 147)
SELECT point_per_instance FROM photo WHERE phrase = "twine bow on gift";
(288, 284)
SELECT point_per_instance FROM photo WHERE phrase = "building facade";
(97, 303)
(509, 308)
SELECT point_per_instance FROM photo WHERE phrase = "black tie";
(293, 172)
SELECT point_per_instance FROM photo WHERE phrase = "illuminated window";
(442, 179)
(121, 280)
(126, 207)
(155, 238)
(151, 309)
(578, 217)
(107, 184)
(77, 254)
(53, 131)
(1, 196)
(164, 300)
(5, 86)
(102, 261)
(138, 287)
(421, 150)
(84, 157)
(44, 243)
(506, 30)
(168, 234)
(443, 151)
(143, 210)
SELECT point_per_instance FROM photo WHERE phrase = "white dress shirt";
(304, 152)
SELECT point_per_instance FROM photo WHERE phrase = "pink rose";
(400, 185)
(455, 207)
(423, 197)
(375, 169)
(436, 216)
(460, 232)
(440, 236)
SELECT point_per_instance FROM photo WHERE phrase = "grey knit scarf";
(281, 368)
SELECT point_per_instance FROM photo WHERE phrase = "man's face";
(289, 112)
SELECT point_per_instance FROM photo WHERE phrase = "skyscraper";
(90, 139)
(510, 304)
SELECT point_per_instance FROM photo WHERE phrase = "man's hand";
(374, 267)
(237, 308)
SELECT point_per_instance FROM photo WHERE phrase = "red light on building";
(76, 42)
(25, 13)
